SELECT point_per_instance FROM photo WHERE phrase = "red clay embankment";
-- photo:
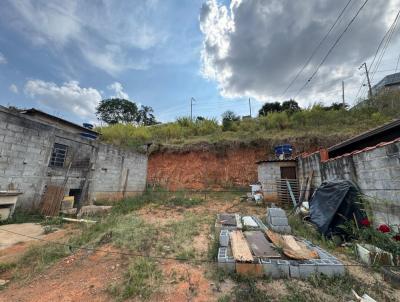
(217, 166)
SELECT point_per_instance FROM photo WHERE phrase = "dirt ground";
(86, 275)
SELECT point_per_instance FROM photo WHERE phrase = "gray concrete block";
(276, 212)
(307, 268)
(224, 238)
(225, 261)
(279, 221)
(294, 269)
(329, 267)
(275, 268)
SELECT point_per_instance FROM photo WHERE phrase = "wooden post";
(126, 183)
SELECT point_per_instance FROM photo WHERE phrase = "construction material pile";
(249, 247)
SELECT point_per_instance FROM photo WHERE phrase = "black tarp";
(334, 203)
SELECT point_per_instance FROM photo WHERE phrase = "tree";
(337, 106)
(290, 106)
(146, 116)
(270, 107)
(228, 117)
(114, 111)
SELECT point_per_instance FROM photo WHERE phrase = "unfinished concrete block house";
(39, 151)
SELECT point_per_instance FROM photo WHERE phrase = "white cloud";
(3, 59)
(13, 88)
(254, 48)
(118, 90)
(103, 33)
(68, 97)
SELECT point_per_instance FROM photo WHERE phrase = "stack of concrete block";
(225, 260)
(277, 221)
(224, 238)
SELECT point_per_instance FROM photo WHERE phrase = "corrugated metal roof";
(366, 135)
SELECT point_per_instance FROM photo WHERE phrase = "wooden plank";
(240, 249)
(291, 247)
(249, 269)
(51, 200)
(308, 187)
(260, 246)
(291, 193)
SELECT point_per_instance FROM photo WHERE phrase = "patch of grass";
(298, 293)
(247, 290)
(53, 221)
(184, 202)
(22, 216)
(134, 233)
(186, 254)
(224, 298)
(39, 257)
(178, 236)
(4, 267)
(141, 279)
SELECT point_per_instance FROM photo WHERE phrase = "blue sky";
(65, 56)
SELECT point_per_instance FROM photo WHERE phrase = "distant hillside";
(277, 126)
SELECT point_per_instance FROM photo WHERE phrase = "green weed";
(39, 257)
(141, 279)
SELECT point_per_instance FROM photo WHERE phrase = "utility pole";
(343, 94)
(250, 107)
(191, 108)
(369, 82)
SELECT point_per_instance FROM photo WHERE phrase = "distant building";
(389, 82)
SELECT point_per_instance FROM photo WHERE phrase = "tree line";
(115, 110)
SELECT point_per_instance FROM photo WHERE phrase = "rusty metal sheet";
(227, 219)
(260, 246)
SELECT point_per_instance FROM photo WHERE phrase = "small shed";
(277, 178)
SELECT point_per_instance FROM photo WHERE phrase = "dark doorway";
(77, 195)
(288, 173)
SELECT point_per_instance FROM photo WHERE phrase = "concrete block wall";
(307, 164)
(268, 174)
(375, 170)
(111, 172)
(25, 150)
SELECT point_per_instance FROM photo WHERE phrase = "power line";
(316, 49)
(385, 39)
(201, 260)
(391, 32)
(331, 49)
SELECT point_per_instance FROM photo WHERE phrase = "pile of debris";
(249, 247)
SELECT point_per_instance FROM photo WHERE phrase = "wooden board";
(51, 200)
(240, 249)
(249, 269)
(291, 247)
(260, 246)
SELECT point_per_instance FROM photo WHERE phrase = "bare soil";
(86, 276)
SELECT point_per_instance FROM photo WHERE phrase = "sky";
(63, 57)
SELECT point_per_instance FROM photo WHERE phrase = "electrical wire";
(316, 48)
(201, 260)
(331, 49)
